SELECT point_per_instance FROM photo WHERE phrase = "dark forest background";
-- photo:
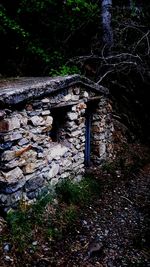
(48, 38)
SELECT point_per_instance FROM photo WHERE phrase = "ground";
(112, 230)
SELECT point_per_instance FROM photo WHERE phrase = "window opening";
(58, 132)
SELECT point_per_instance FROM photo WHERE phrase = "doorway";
(91, 112)
(87, 137)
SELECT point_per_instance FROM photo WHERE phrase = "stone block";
(96, 117)
(4, 126)
(24, 121)
(45, 100)
(57, 151)
(45, 112)
(74, 108)
(81, 106)
(14, 123)
(12, 176)
(28, 155)
(34, 183)
(75, 97)
(33, 165)
(8, 155)
(3, 199)
(32, 195)
(10, 200)
(2, 114)
(54, 181)
(46, 129)
(72, 116)
(76, 90)
(81, 120)
(48, 121)
(86, 94)
(53, 171)
(14, 163)
(29, 168)
(102, 149)
(78, 163)
(37, 120)
(66, 162)
(67, 97)
(65, 175)
(23, 142)
(76, 133)
(23, 151)
(7, 188)
(12, 137)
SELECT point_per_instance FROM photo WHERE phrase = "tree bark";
(106, 23)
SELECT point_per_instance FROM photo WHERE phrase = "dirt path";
(114, 230)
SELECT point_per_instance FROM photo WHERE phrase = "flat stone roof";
(16, 90)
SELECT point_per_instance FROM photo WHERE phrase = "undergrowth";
(51, 215)
(78, 193)
(23, 221)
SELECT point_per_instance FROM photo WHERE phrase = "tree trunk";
(106, 23)
(131, 4)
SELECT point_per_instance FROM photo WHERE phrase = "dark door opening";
(87, 137)
(90, 111)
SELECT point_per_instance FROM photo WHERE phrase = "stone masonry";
(31, 159)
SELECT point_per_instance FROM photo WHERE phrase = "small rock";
(12, 137)
(12, 176)
(67, 97)
(72, 116)
(2, 114)
(84, 222)
(45, 112)
(6, 247)
(23, 141)
(110, 264)
(14, 123)
(53, 171)
(6, 145)
(45, 100)
(7, 258)
(86, 94)
(94, 247)
(106, 232)
(48, 121)
(34, 243)
(37, 120)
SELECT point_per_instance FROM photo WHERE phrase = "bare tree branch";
(148, 44)
(106, 73)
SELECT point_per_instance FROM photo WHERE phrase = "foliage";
(77, 193)
(65, 70)
(34, 33)
(46, 216)
(20, 228)
(70, 214)
(23, 221)
(65, 37)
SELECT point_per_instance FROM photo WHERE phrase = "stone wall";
(102, 130)
(31, 161)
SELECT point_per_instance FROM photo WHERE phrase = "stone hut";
(50, 129)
